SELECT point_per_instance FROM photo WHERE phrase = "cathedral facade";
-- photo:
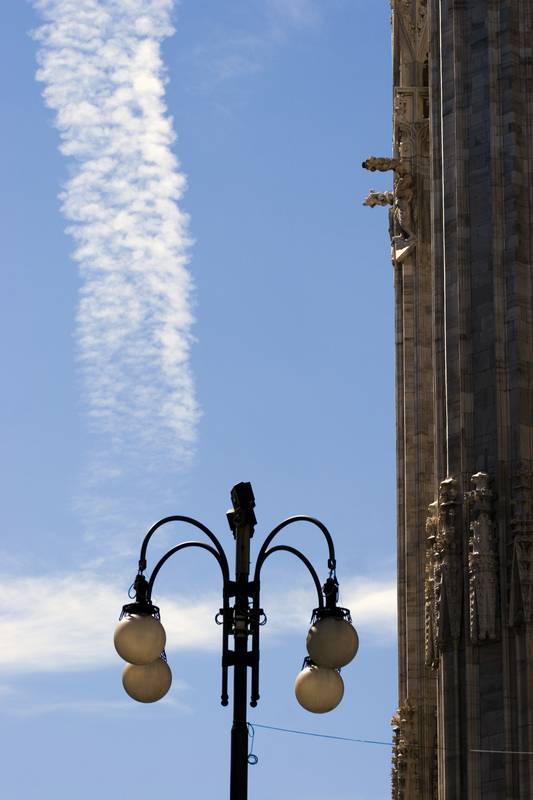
(461, 228)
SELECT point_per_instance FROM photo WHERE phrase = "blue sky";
(177, 339)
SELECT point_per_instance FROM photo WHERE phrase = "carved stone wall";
(460, 207)
(410, 234)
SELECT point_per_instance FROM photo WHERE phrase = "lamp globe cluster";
(140, 640)
(332, 642)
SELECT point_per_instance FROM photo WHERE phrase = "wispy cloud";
(294, 13)
(65, 622)
(372, 604)
(25, 707)
(21, 702)
(241, 50)
(101, 66)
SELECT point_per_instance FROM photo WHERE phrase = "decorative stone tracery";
(521, 596)
(431, 648)
(404, 753)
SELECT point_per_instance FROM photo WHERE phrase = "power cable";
(376, 741)
(321, 735)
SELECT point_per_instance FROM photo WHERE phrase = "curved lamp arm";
(287, 549)
(299, 518)
(221, 561)
(263, 555)
(190, 521)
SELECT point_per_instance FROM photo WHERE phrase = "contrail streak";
(101, 66)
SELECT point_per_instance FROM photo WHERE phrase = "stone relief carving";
(413, 14)
(521, 596)
(402, 106)
(431, 649)
(448, 567)
(404, 753)
(406, 142)
(421, 16)
(407, 7)
(482, 560)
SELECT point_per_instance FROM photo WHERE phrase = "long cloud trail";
(100, 62)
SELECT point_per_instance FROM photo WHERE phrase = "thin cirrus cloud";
(232, 51)
(91, 707)
(64, 623)
(103, 76)
(294, 13)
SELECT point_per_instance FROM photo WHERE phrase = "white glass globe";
(332, 642)
(147, 683)
(318, 689)
(139, 639)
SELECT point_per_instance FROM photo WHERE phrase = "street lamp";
(332, 641)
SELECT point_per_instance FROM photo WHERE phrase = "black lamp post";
(332, 641)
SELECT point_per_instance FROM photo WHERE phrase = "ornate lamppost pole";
(332, 641)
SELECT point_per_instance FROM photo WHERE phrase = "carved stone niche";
(448, 567)
(521, 595)
(482, 561)
(404, 753)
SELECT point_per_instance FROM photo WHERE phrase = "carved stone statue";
(482, 561)
(448, 567)
(401, 219)
(381, 164)
(404, 194)
(375, 198)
